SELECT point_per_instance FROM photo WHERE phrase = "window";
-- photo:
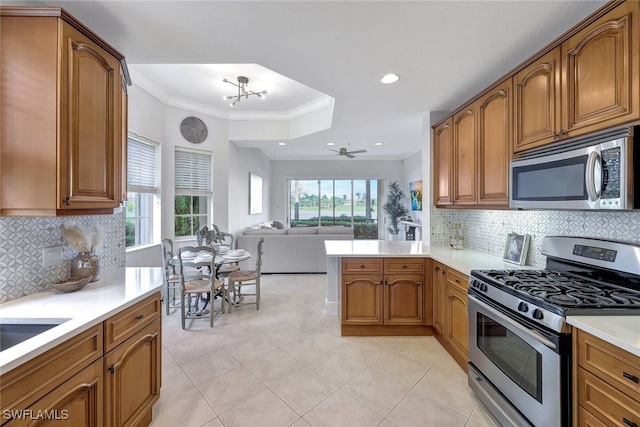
(142, 192)
(193, 191)
(335, 202)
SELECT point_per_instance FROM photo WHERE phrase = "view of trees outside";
(336, 202)
(138, 222)
(192, 212)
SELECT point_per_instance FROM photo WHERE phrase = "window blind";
(141, 167)
(193, 173)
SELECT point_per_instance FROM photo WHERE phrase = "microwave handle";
(593, 176)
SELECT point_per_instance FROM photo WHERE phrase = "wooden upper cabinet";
(601, 73)
(494, 145)
(464, 157)
(442, 146)
(62, 139)
(537, 103)
(90, 131)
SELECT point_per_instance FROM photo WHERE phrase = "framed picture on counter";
(516, 248)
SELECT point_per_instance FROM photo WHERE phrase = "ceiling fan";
(350, 154)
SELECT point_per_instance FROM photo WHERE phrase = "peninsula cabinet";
(587, 83)
(451, 311)
(608, 393)
(383, 296)
(62, 138)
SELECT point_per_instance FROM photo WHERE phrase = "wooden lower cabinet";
(607, 389)
(80, 384)
(451, 311)
(390, 302)
(132, 378)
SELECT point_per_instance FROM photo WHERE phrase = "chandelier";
(242, 91)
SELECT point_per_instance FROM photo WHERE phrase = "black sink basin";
(15, 331)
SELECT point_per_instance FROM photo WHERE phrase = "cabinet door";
(362, 300)
(76, 403)
(404, 299)
(90, 124)
(600, 73)
(442, 146)
(464, 157)
(132, 378)
(494, 145)
(537, 102)
(457, 324)
(439, 277)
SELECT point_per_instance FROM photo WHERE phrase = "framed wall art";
(415, 193)
(516, 248)
(255, 194)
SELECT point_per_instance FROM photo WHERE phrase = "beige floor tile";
(481, 416)
(338, 367)
(273, 366)
(340, 410)
(329, 335)
(306, 349)
(448, 363)
(378, 391)
(300, 423)
(190, 349)
(231, 333)
(386, 423)
(168, 361)
(250, 348)
(282, 334)
(175, 382)
(228, 390)
(426, 349)
(401, 366)
(417, 410)
(448, 389)
(303, 390)
(263, 409)
(209, 366)
(365, 350)
(214, 423)
(185, 410)
(388, 341)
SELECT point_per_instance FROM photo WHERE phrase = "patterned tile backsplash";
(486, 230)
(22, 240)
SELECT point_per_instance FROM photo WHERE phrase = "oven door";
(520, 361)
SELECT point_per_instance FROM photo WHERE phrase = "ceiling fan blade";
(349, 155)
(334, 150)
(357, 151)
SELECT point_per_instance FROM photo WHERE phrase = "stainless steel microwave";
(595, 172)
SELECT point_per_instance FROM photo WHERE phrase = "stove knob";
(523, 307)
(537, 314)
(484, 287)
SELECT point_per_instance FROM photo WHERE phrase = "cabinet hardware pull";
(562, 133)
(630, 377)
(139, 316)
(629, 423)
(555, 135)
(362, 266)
(404, 266)
(66, 201)
(112, 368)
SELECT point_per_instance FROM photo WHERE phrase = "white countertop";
(463, 260)
(116, 290)
(621, 331)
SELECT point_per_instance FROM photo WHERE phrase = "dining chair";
(227, 269)
(241, 278)
(196, 273)
(171, 280)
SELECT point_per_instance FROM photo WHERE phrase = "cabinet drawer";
(617, 367)
(362, 265)
(22, 386)
(404, 265)
(607, 403)
(457, 279)
(126, 323)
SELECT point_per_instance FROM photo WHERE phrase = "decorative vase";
(85, 263)
(456, 238)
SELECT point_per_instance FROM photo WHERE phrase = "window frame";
(205, 191)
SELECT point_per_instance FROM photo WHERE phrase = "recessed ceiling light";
(282, 143)
(330, 143)
(378, 143)
(389, 78)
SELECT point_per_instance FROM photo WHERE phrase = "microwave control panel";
(611, 173)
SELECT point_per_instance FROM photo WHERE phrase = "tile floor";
(287, 365)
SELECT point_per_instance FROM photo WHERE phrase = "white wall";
(412, 170)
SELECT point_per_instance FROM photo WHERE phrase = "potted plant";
(395, 209)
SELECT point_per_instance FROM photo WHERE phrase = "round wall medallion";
(193, 130)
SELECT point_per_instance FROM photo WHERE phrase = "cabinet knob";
(139, 316)
(562, 133)
(555, 135)
(404, 266)
(112, 368)
(66, 201)
(362, 266)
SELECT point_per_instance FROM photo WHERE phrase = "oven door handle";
(531, 332)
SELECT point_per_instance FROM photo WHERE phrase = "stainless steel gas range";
(519, 341)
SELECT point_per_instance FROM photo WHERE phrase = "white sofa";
(293, 250)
